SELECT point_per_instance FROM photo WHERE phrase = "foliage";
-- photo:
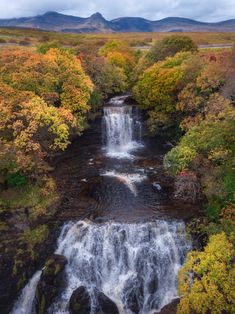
(45, 47)
(157, 88)
(16, 179)
(169, 46)
(33, 237)
(208, 149)
(201, 96)
(179, 158)
(107, 78)
(43, 101)
(207, 279)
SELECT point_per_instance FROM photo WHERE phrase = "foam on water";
(128, 179)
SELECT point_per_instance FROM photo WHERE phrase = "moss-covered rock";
(51, 282)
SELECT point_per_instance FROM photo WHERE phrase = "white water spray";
(122, 129)
(135, 265)
(24, 304)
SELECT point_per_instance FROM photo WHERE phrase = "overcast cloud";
(203, 10)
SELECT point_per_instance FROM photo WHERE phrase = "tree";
(207, 279)
(43, 102)
(157, 90)
(169, 46)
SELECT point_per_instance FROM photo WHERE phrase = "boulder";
(80, 301)
(134, 295)
(170, 308)
(51, 282)
(107, 306)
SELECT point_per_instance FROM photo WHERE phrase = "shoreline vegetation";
(55, 86)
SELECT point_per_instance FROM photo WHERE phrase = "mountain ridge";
(54, 21)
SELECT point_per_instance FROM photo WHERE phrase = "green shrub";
(179, 158)
(169, 46)
(16, 179)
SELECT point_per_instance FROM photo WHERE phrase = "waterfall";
(122, 128)
(135, 265)
(24, 304)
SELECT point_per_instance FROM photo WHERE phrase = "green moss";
(33, 237)
(21, 282)
(77, 307)
(57, 269)
(42, 305)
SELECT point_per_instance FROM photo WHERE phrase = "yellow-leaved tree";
(207, 280)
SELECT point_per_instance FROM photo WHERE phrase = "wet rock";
(107, 306)
(156, 186)
(80, 302)
(170, 308)
(187, 188)
(153, 285)
(51, 282)
(134, 293)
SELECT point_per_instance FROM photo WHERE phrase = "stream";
(134, 243)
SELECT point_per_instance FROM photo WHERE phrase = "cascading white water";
(121, 128)
(24, 304)
(135, 265)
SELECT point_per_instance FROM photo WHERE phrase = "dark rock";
(170, 308)
(153, 285)
(107, 306)
(80, 302)
(134, 293)
(51, 282)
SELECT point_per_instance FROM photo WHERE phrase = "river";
(135, 242)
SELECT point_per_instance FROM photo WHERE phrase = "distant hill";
(54, 21)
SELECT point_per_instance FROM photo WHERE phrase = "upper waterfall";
(121, 128)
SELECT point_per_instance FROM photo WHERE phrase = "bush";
(16, 179)
(179, 158)
(169, 46)
(157, 88)
(44, 48)
(206, 282)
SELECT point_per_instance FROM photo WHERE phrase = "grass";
(35, 37)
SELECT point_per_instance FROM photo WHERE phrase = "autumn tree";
(207, 279)
(157, 90)
(43, 100)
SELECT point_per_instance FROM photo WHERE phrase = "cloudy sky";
(204, 10)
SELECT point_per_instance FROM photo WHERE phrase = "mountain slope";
(54, 21)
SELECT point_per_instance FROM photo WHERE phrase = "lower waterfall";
(135, 265)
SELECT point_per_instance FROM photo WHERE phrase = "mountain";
(54, 21)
